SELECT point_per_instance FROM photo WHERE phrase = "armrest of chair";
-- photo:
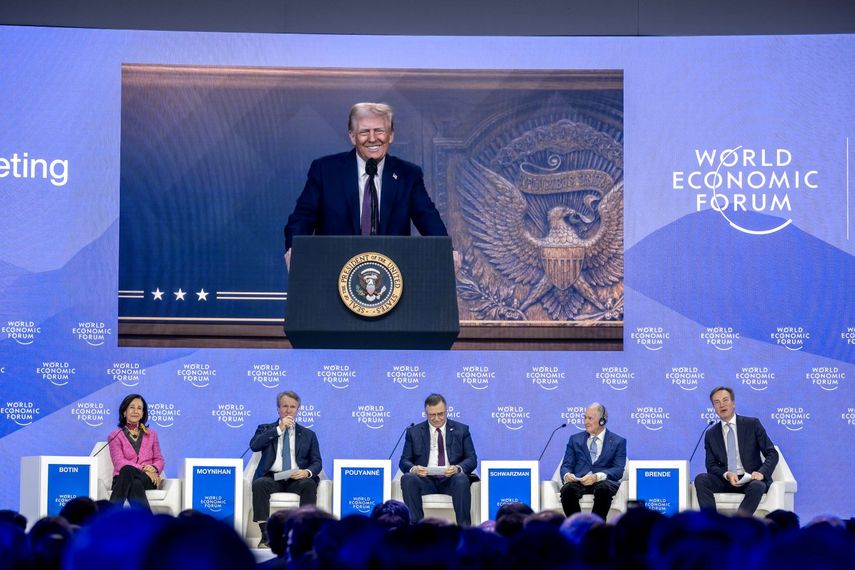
(549, 495)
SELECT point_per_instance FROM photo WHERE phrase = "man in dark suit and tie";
(593, 464)
(733, 453)
(365, 191)
(438, 457)
(290, 460)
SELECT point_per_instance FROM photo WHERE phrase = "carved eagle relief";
(577, 261)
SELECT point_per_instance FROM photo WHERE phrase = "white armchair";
(780, 495)
(165, 499)
(550, 495)
(279, 501)
(440, 506)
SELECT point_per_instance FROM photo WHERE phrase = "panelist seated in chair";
(594, 463)
(290, 460)
(438, 458)
(733, 456)
(135, 452)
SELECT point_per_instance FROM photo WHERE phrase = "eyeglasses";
(436, 415)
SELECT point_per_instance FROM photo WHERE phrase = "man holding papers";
(438, 457)
(290, 460)
(734, 463)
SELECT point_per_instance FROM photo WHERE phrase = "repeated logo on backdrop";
(338, 376)
(197, 374)
(23, 332)
(476, 377)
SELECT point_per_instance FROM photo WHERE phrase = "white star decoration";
(158, 294)
(203, 295)
(179, 295)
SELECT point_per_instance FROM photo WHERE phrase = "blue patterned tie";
(593, 451)
(731, 449)
(286, 451)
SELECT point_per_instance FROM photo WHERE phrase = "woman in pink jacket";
(135, 451)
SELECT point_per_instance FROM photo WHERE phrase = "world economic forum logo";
(308, 415)
(163, 414)
(476, 377)
(231, 415)
(197, 374)
(362, 504)
(22, 332)
(826, 377)
(213, 503)
(791, 338)
(22, 413)
(793, 418)
(685, 377)
(406, 376)
(652, 418)
(372, 416)
(755, 377)
(266, 375)
(575, 416)
(651, 338)
(740, 182)
(91, 332)
(615, 377)
(720, 338)
(127, 373)
(511, 417)
(848, 416)
(547, 377)
(338, 376)
(57, 373)
(93, 414)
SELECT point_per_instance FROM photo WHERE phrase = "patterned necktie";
(286, 450)
(731, 449)
(440, 448)
(593, 450)
(367, 207)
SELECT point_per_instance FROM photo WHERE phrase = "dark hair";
(124, 406)
(726, 389)
(435, 399)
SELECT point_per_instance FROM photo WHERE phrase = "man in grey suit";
(438, 457)
(593, 464)
(290, 460)
(733, 456)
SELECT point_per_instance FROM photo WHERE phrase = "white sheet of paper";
(436, 471)
(282, 475)
(746, 477)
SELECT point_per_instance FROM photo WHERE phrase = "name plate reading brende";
(370, 284)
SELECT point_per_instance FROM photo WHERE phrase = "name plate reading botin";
(370, 284)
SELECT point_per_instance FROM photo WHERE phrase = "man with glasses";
(438, 457)
(740, 456)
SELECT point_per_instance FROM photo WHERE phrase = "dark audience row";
(97, 534)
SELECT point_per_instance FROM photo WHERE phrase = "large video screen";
(134, 163)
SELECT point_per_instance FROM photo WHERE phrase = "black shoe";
(263, 543)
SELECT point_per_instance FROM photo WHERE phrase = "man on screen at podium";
(290, 460)
(593, 464)
(733, 456)
(438, 457)
(365, 191)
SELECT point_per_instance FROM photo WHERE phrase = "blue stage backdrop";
(737, 157)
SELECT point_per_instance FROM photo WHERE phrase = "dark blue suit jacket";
(752, 441)
(329, 203)
(306, 449)
(458, 447)
(612, 459)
